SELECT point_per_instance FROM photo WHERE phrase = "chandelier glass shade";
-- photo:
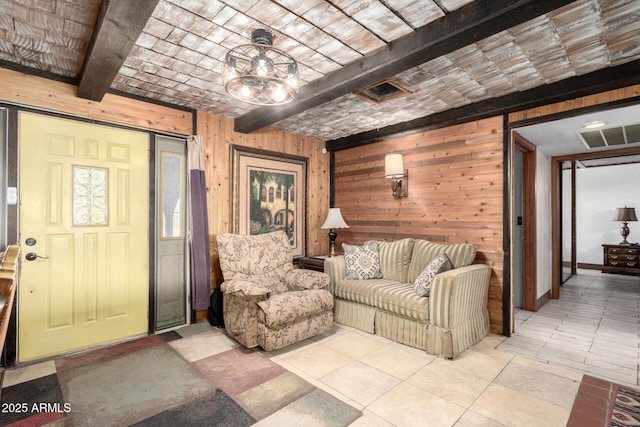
(259, 73)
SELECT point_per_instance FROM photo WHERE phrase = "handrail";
(9, 273)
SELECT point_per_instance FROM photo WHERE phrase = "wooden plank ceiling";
(449, 54)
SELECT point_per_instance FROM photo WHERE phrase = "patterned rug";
(150, 382)
(626, 409)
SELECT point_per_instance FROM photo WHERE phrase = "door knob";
(31, 256)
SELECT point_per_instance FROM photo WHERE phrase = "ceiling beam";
(575, 87)
(117, 28)
(468, 24)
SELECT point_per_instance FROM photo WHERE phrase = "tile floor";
(593, 328)
(530, 379)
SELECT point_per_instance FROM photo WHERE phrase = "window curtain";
(198, 227)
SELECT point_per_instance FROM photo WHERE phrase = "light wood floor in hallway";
(594, 327)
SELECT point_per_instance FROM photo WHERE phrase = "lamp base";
(332, 242)
(624, 232)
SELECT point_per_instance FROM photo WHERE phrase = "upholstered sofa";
(450, 319)
(266, 301)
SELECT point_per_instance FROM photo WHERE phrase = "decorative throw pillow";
(363, 262)
(425, 279)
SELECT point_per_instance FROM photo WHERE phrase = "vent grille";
(382, 91)
(612, 137)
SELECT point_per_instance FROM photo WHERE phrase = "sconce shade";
(334, 219)
(625, 214)
(393, 165)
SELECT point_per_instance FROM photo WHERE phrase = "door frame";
(13, 230)
(556, 207)
(529, 223)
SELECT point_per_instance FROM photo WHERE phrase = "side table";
(312, 262)
(621, 259)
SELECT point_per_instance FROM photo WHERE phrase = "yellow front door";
(84, 235)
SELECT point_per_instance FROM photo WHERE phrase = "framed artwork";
(269, 193)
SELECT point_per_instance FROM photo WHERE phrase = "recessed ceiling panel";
(614, 136)
(593, 139)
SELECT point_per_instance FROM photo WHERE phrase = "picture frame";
(269, 193)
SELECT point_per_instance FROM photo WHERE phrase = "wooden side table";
(312, 262)
(621, 259)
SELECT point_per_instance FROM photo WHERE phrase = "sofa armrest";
(336, 268)
(244, 288)
(300, 279)
(459, 294)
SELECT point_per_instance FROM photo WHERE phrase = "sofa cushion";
(460, 255)
(395, 258)
(401, 299)
(293, 306)
(422, 285)
(363, 262)
(360, 291)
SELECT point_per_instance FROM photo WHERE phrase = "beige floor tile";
(517, 409)
(552, 369)
(360, 382)
(354, 345)
(479, 364)
(407, 405)
(543, 385)
(28, 373)
(204, 345)
(443, 379)
(369, 419)
(472, 419)
(396, 361)
(317, 361)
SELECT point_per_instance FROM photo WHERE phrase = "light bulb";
(278, 94)
(245, 91)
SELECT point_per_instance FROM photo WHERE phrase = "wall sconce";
(334, 220)
(625, 214)
(394, 169)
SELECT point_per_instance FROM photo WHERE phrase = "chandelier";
(259, 73)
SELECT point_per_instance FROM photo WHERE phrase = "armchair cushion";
(291, 306)
(245, 287)
(363, 262)
(300, 279)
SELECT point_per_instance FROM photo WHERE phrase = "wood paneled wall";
(32, 91)
(218, 136)
(574, 104)
(455, 194)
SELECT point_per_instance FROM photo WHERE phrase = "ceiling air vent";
(382, 91)
(612, 137)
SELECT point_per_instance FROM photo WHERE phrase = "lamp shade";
(393, 165)
(625, 214)
(334, 219)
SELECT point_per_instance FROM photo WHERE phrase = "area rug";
(147, 382)
(626, 409)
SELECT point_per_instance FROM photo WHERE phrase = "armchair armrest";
(459, 294)
(336, 268)
(247, 289)
(300, 279)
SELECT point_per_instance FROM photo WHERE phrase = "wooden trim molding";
(529, 223)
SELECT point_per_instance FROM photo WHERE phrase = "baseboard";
(590, 266)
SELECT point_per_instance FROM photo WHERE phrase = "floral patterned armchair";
(266, 301)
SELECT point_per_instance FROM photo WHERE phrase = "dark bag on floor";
(215, 309)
